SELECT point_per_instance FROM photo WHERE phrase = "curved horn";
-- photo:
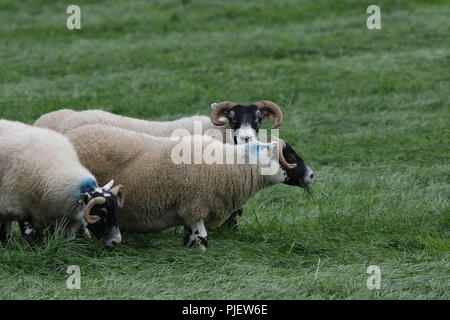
(281, 158)
(274, 109)
(119, 192)
(218, 111)
(108, 186)
(92, 219)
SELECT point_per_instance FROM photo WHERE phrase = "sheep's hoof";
(202, 243)
(187, 240)
(87, 233)
(190, 239)
(2, 233)
(6, 235)
(33, 238)
(232, 221)
(189, 244)
(30, 235)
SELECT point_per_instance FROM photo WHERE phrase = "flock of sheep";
(55, 168)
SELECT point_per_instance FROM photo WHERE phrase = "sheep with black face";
(42, 181)
(245, 120)
(164, 193)
(229, 122)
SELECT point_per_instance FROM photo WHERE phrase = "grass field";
(369, 110)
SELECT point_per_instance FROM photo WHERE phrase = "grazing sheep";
(42, 180)
(164, 194)
(229, 122)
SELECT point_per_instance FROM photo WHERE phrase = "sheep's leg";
(29, 233)
(196, 233)
(232, 221)
(52, 229)
(9, 231)
(187, 237)
(73, 228)
(2, 232)
(5, 231)
(87, 233)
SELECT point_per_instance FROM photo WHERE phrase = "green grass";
(368, 110)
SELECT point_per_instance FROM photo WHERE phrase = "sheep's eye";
(233, 120)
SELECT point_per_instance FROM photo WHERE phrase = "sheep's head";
(245, 120)
(102, 212)
(296, 171)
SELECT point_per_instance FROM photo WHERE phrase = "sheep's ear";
(266, 115)
(84, 198)
(119, 192)
(108, 186)
(274, 149)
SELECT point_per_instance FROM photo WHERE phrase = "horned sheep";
(42, 181)
(229, 122)
(164, 193)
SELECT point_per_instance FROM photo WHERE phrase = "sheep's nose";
(309, 176)
(115, 239)
(112, 243)
(246, 139)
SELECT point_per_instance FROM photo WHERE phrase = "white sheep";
(52, 120)
(228, 122)
(42, 180)
(61, 122)
(164, 194)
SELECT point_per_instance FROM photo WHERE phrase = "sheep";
(42, 181)
(228, 122)
(193, 124)
(245, 120)
(164, 193)
(53, 119)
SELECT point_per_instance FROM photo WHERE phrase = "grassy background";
(368, 110)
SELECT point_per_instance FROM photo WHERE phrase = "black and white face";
(301, 175)
(106, 214)
(245, 122)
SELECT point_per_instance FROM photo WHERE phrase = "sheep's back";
(39, 171)
(52, 120)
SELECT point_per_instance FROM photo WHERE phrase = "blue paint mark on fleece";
(256, 147)
(88, 185)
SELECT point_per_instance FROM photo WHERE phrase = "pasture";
(369, 110)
